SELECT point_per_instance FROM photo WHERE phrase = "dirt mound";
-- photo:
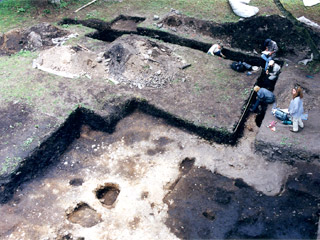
(247, 34)
(129, 60)
(141, 63)
(32, 38)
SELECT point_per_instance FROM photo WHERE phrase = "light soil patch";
(65, 200)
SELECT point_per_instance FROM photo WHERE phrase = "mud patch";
(108, 194)
(84, 215)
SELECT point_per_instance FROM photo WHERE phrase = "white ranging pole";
(86, 5)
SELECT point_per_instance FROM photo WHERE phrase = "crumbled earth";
(35, 37)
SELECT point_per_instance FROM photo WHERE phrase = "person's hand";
(267, 72)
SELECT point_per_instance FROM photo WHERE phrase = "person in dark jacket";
(270, 52)
(263, 96)
(296, 109)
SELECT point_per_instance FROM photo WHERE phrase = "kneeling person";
(263, 96)
(273, 70)
(216, 50)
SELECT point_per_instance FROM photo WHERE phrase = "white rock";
(99, 59)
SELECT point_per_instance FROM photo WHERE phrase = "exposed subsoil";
(146, 162)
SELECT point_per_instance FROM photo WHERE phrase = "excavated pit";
(191, 189)
(89, 150)
(84, 215)
(106, 32)
(108, 194)
(60, 139)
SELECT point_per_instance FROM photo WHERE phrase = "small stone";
(160, 25)
(101, 54)
(156, 17)
(149, 51)
(158, 72)
(174, 29)
(99, 59)
(93, 64)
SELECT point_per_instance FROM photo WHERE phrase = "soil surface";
(35, 37)
(164, 172)
(138, 170)
(247, 35)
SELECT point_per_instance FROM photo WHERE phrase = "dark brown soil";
(84, 215)
(16, 40)
(209, 206)
(248, 34)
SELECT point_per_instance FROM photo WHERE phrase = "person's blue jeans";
(267, 59)
(255, 105)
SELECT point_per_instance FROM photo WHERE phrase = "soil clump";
(36, 37)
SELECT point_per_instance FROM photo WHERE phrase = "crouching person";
(296, 109)
(263, 96)
(273, 70)
(216, 49)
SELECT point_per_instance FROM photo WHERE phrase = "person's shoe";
(291, 130)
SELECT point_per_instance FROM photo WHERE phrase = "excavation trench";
(107, 31)
(110, 176)
(123, 172)
(51, 149)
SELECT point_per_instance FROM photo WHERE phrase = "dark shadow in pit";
(205, 205)
(108, 194)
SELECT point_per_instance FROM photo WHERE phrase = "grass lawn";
(19, 13)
